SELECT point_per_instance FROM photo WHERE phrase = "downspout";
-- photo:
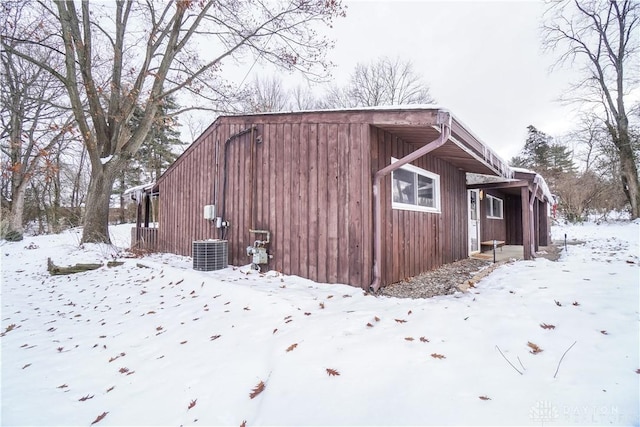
(444, 120)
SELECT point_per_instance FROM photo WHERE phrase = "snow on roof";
(136, 192)
(537, 179)
(342, 109)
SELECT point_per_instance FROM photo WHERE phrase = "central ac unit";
(209, 255)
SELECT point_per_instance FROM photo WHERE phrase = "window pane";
(489, 205)
(403, 187)
(497, 208)
(425, 192)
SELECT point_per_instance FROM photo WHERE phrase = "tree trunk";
(16, 217)
(96, 220)
(122, 211)
(629, 175)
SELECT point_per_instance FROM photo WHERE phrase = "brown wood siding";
(513, 220)
(491, 228)
(307, 178)
(415, 242)
(308, 183)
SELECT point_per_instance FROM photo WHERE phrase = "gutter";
(444, 120)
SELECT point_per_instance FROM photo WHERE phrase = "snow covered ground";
(153, 342)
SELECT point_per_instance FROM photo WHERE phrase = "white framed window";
(415, 189)
(494, 207)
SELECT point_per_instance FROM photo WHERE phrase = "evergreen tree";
(158, 151)
(543, 155)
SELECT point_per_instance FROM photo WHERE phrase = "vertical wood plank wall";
(415, 242)
(490, 228)
(513, 219)
(309, 183)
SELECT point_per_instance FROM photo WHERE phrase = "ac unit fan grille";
(209, 255)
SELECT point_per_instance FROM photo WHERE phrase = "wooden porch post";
(526, 222)
(544, 224)
(147, 200)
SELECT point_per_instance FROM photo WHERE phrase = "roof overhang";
(463, 149)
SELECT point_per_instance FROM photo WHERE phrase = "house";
(366, 197)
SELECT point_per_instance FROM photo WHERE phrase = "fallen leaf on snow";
(484, 398)
(192, 404)
(400, 320)
(423, 339)
(547, 326)
(87, 397)
(332, 372)
(438, 356)
(292, 347)
(257, 390)
(534, 348)
(99, 418)
(409, 339)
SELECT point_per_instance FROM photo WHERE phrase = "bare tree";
(265, 94)
(128, 54)
(33, 124)
(385, 81)
(302, 98)
(602, 38)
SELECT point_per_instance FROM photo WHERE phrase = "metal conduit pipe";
(444, 120)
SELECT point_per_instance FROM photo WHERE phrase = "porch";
(516, 252)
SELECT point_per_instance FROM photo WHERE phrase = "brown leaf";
(26, 366)
(257, 390)
(409, 312)
(423, 339)
(292, 347)
(321, 305)
(409, 339)
(99, 418)
(62, 386)
(192, 404)
(547, 326)
(183, 342)
(87, 397)
(484, 398)
(377, 319)
(558, 303)
(438, 356)
(637, 371)
(604, 332)
(110, 388)
(369, 325)
(400, 320)
(275, 330)
(576, 303)
(123, 370)
(244, 424)
(332, 372)
(534, 348)
(215, 337)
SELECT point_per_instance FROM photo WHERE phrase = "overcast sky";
(482, 59)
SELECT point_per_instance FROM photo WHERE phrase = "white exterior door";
(473, 204)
